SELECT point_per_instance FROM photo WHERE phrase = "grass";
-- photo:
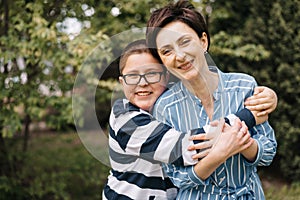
(58, 166)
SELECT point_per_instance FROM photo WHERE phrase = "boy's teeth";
(143, 93)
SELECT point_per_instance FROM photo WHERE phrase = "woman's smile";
(186, 66)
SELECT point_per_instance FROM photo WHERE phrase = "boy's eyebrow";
(132, 72)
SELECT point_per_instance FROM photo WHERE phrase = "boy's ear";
(121, 80)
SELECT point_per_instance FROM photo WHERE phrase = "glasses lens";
(153, 77)
(132, 79)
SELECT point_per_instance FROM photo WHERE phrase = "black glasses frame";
(143, 76)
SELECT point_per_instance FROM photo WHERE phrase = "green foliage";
(59, 169)
(265, 44)
(286, 192)
(131, 14)
(33, 62)
(95, 55)
(232, 45)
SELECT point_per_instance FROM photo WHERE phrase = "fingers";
(245, 137)
(259, 104)
(264, 100)
(261, 110)
(247, 143)
(261, 96)
(244, 127)
(201, 154)
(201, 145)
(237, 124)
(214, 123)
(263, 113)
(198, 137)
(259, 89)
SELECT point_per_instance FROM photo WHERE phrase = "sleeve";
(184, 177)
(135, 132)
(265, 137)
(244, 115)
(262, 133)
(267, 144)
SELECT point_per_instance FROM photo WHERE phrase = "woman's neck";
(203, 88)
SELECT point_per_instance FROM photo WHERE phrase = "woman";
(178, 36)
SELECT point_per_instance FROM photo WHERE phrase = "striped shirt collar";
(217, 93)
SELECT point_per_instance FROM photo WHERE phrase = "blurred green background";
(44, 44)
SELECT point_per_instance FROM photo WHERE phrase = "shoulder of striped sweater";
(120, 106)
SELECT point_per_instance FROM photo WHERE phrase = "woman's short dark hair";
(182, 11)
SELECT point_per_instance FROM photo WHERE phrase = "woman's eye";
(185, 41)
(165, 52)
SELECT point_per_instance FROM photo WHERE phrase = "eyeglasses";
(151, 77)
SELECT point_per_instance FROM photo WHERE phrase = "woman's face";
(181, 50)
(143, 94)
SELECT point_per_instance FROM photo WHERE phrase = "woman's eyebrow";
(182, 37)
(177, 40)
(164, 47)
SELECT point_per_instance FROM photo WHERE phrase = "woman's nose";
(180, 55)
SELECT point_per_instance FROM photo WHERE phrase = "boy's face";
(143, 94)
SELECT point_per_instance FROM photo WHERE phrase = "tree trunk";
(4, 162)
(26, 132)
(5, 11)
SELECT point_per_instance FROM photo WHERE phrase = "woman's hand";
(207, 140)
(234, 139)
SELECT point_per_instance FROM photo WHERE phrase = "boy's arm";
(134, 132)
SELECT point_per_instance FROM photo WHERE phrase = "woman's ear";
(204, 41)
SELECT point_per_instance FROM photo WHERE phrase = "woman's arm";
(232, 140)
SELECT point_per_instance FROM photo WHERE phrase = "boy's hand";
(259, 118)
(263, 102)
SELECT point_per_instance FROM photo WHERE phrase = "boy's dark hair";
(182, 11)
(136, 47)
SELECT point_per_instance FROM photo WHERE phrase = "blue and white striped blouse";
(236, 178)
